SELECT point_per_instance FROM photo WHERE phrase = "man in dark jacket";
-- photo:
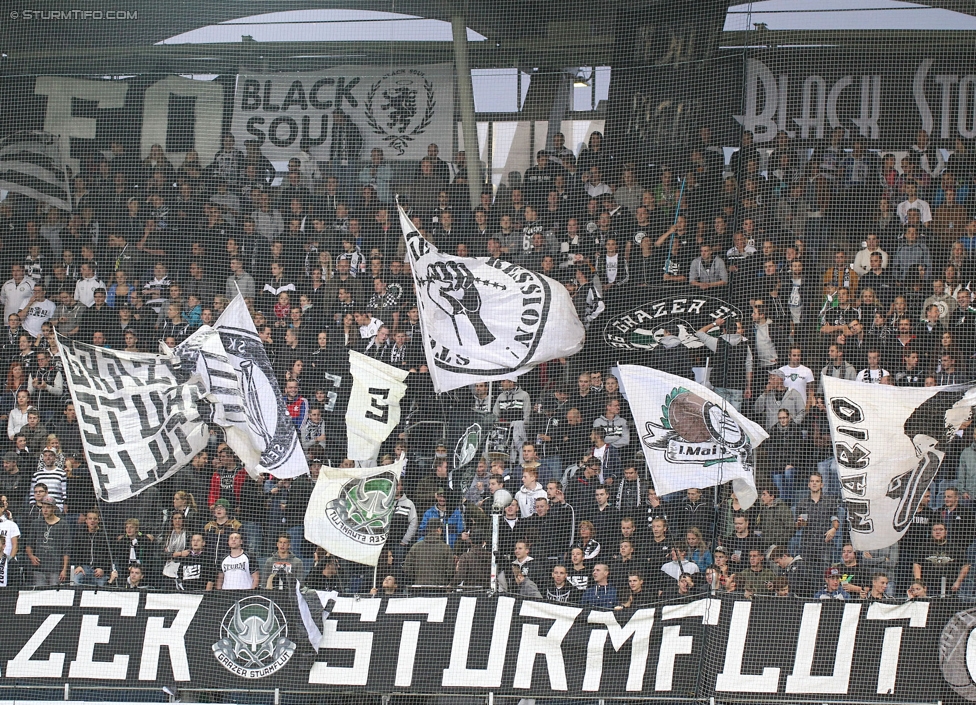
(91, 556)
(430, 562)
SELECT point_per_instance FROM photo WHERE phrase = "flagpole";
(677, 212)
(376, 570)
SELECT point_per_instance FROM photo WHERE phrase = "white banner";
(138, 416)
(485, 319)
(690, 436)
(889, 443)
(267, 440)
(349, 511)
(400, 110)
(374, 405)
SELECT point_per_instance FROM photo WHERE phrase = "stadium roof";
(547, 34)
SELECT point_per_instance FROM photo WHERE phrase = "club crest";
(363, 508)
(400, 107)
(254, 638)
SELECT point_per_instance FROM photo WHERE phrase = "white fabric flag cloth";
(267, 440)
(485, 319)
(349, 511)
(137, 415)
(691, 437)
(374, 405)
(889, 443)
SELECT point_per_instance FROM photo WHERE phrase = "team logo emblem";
(363, 508)
(694, 430)
(400, 107)
(254, 638)
(643, 328)
(467, 446)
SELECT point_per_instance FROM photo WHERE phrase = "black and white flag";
(261, 431)
(137, 413)
(691, 437)
(484, 318)
(350, 509)
(374, 406)
(889, 443)
(31, 164)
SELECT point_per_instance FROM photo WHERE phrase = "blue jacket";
(599, 596)
(453, 526)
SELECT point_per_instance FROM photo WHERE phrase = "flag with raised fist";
(487, 319)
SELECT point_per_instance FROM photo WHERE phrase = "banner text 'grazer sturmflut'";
(762, 650)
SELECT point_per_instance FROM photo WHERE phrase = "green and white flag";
(349, 511)
(691, 437)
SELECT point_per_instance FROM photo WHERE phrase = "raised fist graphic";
(450, 285)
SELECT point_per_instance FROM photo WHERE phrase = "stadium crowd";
(841, 261)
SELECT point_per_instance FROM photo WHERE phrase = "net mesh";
(771, 202)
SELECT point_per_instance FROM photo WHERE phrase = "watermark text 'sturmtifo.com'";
(43, 15)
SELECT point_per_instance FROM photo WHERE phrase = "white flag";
(889, 443)
(690, 436)
(349, 511)
(264, 435)
(137, 414)
(485, 319)
(374, 405)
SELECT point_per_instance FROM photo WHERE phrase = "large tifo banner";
(766, 649)
(400, 110)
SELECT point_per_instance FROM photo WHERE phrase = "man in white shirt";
(85, 288)
(796, 375)
(873, 373)
(38, 309)
(862, 260)
(235, 570)
(16, 291)
(913, 202)
(9, 531)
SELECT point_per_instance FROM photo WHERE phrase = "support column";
(469, 128)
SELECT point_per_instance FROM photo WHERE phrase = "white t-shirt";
(237, 572)
(871, 376)
(37, 314)
(797, 378)
(15, 296)
(10, 530)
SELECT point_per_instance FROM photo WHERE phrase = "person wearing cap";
(430, 562)
(217, 530)
(47, 546)
(50, 474)
(832, 589)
